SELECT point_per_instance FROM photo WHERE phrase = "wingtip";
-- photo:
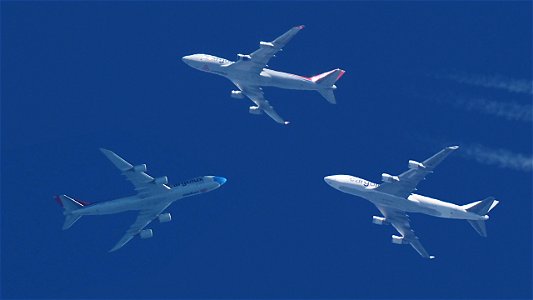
(104, 150)
(286, 123)
(431, 257)
(453, 147)
(341, 73)
(300, 27)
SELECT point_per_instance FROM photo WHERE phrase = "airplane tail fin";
(69, 205)
(326, 83)
(481, 208)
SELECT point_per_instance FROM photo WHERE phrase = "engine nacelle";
(255, 110)
(237, 95)
(146, 234)
(380, 221)
(399, 240)
(161, 180)
(266, 45)
(415, 165)
(139, 168)
(389, 178)
(166, 217)
(244, 57)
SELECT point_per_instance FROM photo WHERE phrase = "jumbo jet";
(394, 198)
(153, 196)
(249, 73)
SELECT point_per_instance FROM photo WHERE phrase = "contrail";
(495, 81)
(508, 110)
(499, 157)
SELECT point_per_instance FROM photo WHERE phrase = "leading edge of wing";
(144, 218)
(118, 161)
(255, 94)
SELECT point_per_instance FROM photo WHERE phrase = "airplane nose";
(329, 180)
(220, 180)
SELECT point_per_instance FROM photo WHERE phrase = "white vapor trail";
(495, 81)
(499, 157)
(509, 110)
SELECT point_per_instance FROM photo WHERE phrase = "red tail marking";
(340, 74)
(58, 200)
(320, 76)
(84, 203)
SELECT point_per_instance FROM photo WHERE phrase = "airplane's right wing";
(407, 181)
(255, 94)
(144, 184)
(258, 60)
(144, 218)
(399, 220)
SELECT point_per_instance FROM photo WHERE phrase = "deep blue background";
(79, 76)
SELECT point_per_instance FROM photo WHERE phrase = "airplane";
(249, 73)
(153, 197)
(394, 198)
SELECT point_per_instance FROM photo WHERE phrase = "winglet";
(286, 122)
(431, 257)
(300, 27)
(453, 147)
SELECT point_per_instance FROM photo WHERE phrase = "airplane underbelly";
(399, 203)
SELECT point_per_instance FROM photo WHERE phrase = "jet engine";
(244, 57)
(380, 221)
(415, 165)
(237, 95)
(266, 45)
(166, 217)
(161, 180)
(399, 240)
(146, 234)
(255, 110)
(139, 168)
(389, 178)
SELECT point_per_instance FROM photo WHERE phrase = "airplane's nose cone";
(186, 59)
(329, 180)
(220, 180)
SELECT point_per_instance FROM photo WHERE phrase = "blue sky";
(420, 76)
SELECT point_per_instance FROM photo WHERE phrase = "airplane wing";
(399, 220)
(409, 179)
(144, 218)
(144, 184)
(255, 94)
(258, 60)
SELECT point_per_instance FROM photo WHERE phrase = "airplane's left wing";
(258, 60)
(404, 184)
(255, 94)
(144, 218)
(400, 221)
(144, 184)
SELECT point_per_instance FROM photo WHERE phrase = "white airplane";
(394, 198)
(153, 197)
(250, 73)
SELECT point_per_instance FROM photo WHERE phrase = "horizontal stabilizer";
(479, 226)
(69, 205)
(70, 220)
(328, 95)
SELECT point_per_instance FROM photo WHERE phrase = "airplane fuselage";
(267, 77)
(135, 203)
(414, 203)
